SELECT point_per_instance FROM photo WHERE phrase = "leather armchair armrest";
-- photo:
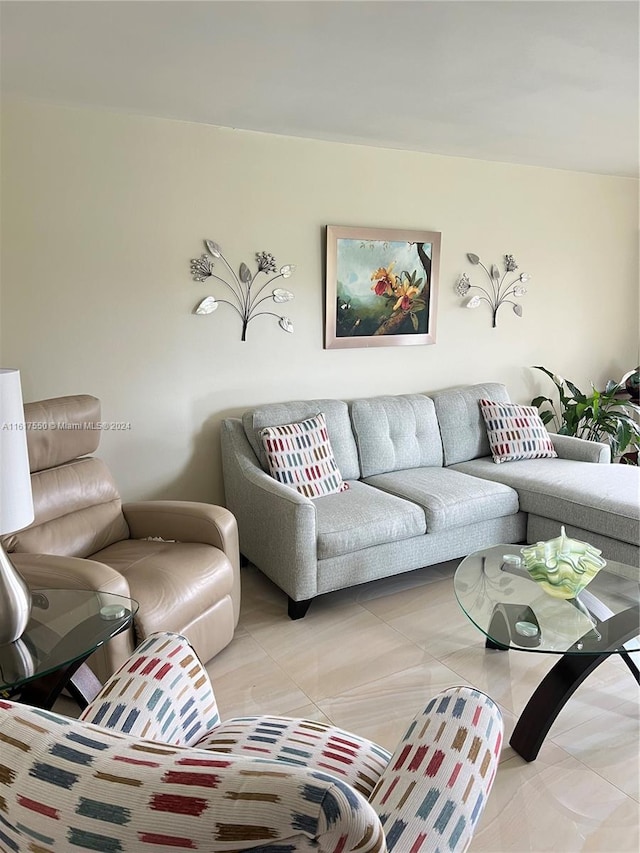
(48, 571)
(184, 521)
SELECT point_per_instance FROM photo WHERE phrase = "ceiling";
(540, 82)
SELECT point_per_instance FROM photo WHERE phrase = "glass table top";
(65, 625)
(513, 611)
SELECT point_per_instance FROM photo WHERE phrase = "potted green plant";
(598, 416)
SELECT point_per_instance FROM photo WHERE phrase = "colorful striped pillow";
(300, 456)
(515, 432)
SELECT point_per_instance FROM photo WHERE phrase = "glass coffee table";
(65, 628)
(514, 613)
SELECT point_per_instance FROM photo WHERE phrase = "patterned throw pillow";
(515, 432)
(300, 456)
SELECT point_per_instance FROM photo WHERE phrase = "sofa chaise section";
(596, 501)
(599, 504)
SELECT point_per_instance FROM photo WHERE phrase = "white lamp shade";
(16, 504)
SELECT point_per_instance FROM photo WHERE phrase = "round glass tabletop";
(65, 625)
(514, 612)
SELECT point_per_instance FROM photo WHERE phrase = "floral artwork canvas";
(381, 287)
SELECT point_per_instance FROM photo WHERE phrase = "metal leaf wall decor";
(244, 295)
(499, 290)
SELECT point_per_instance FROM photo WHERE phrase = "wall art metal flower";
(244, 296)
(500, 291)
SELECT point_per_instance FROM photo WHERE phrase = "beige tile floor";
(368, 658)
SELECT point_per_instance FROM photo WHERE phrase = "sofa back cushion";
(396, 432)
(336, 413)
(462, 427)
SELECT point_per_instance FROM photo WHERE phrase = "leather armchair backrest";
(77, 506)
(61, 429)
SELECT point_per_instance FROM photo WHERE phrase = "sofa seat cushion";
(173, 582)
(602, 498)
(363, 517)
(449, 498)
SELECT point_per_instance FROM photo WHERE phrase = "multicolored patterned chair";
(150, 767)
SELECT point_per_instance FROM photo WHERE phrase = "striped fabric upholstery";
(355, 760)
(161, 693)
(150, 767)
(68, 786)
(435, 787)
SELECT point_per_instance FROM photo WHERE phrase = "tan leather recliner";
(178, 559)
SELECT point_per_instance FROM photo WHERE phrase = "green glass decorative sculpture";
(563, 567)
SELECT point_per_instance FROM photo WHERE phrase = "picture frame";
(381, 287)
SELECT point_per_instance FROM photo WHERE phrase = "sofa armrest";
(440, 775)
(124, 793)
(579, 449)
(277, 525)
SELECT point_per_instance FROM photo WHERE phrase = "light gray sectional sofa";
(423, 488)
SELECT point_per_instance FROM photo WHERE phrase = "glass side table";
(65, 628)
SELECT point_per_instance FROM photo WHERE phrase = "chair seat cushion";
(173, 582)
(362, 517)
(449, 498)
(355, 760)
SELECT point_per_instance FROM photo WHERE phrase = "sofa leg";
(298, 609)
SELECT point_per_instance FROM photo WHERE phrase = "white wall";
(101, 213)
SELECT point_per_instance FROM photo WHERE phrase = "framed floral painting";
(381, 287)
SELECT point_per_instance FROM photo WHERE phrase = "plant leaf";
(538, 401)
(577, 393)
(495, 272)
(473, 259)
(414, 321)
(517, 309)
(213, 248)
(245, 273)
(548, 372)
